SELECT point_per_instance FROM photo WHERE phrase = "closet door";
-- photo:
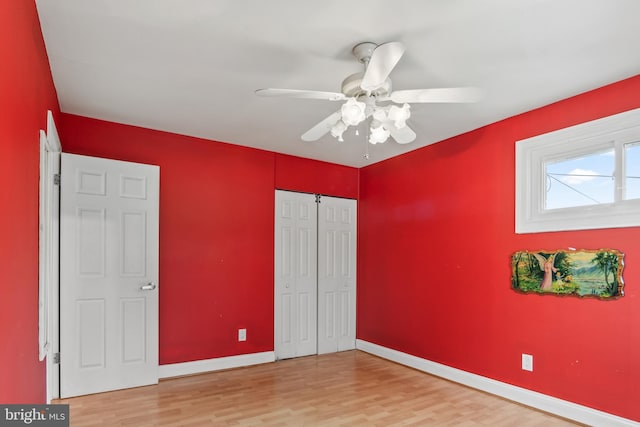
(296, 292)
(336, 274)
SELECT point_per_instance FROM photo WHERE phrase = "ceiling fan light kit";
(353, 112)
(368, 96)
(399, 115)
(338, 129)
(378, 135)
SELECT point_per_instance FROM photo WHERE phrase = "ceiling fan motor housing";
(351, 87)
(363, 51)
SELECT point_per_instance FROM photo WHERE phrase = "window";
(632, 169)
(582, 177)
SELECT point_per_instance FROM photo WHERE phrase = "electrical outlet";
(242, 334)
(527, 362)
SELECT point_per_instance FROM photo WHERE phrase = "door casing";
(49, 255)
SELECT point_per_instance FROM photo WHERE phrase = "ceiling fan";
(368, 95)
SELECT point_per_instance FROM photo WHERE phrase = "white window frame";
(533, 153)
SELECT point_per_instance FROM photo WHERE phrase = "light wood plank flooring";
(342, 389)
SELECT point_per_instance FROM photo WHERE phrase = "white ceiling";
(191, 66)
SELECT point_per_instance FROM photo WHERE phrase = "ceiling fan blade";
(447, 94)
(319, 130)
(402, 135)
(383, 59)
(296, 93)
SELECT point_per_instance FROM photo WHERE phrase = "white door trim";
(49, 255)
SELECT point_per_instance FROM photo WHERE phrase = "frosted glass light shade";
(400, 115)
(338, 129)
(353, 112)
(378, 135)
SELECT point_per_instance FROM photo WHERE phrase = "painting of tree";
(583, 273)
(607, 262)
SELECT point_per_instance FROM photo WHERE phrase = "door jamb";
(49, 282)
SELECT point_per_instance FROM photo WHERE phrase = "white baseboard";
(562, 408)
(201, 366)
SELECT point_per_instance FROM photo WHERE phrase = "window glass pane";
(580, 181)
(632, 171)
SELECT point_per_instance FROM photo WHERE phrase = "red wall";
(444, 213)
(310, 176)
(441, 288)
(216, 230)
(26, 93)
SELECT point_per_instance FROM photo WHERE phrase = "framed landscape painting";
(583, 273)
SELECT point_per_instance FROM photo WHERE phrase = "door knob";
(148, 287)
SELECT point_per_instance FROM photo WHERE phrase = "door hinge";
(56, 358)
(318, 196)
(56, 179)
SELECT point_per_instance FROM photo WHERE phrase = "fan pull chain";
(366, 145)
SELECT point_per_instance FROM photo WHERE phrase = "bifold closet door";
(336, 274)
(315, 274)
(296, 291)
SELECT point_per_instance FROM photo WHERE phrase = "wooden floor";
(342, 389)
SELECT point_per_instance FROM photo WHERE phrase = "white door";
(295, 275)
(108, 275)
(336, 274)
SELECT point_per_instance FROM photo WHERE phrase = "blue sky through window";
(588, 180)
(632, 167)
